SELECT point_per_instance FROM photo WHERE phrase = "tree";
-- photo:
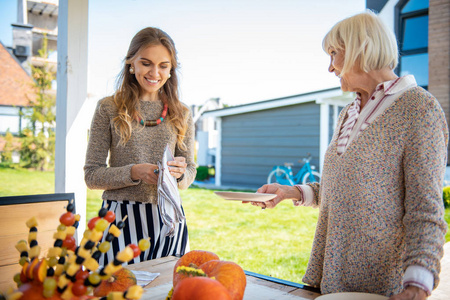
(38, 141)
(6, 155)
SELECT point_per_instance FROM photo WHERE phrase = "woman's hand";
(144, 172)
(177, 167)
(283, 192)
(410, 293)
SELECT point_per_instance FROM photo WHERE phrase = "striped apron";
(143, 220)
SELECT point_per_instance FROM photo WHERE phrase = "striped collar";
(397, 85)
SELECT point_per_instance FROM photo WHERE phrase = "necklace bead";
(157, 121)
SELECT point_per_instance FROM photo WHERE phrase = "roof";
(16, 85)
(316, 96)
(46, 7)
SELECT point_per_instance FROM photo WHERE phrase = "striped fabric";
(143, 220)
(353, 113)
(384, 96)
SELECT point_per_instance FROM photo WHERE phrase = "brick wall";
(439, 53)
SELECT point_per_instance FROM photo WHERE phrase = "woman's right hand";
(144, 172)
(283, 192)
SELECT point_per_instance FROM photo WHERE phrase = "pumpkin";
(200, 288)
(120, 281)
(193, 258)
(206, 264)
(229, 274)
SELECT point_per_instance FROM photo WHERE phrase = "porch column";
(71, 133)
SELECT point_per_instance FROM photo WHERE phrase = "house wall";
(439, 53)
(254, 142)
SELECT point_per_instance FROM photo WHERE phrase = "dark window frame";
(398, 24)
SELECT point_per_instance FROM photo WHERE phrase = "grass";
(271, 242)
(275, 243)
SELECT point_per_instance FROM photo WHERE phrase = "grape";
(102, 212)
(94, 278)
(17, 278)
(70, 207)
(101, 225)
(23, 260)
(49, 284)
(48, 293)
(104, 247)
(52, 261)
(144, 244)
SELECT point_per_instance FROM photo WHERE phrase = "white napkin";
(169, 202)
(143, 278)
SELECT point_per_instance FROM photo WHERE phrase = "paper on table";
(143, 278)
(169, 202)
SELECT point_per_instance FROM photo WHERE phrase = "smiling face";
(152, 67)
(349, 80)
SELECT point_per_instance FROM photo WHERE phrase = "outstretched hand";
(283, 192)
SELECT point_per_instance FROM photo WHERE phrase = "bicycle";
(284, 175)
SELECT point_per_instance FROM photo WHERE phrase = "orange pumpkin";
(200, 288)
(118, 282)
(193, 258)
(229, 274)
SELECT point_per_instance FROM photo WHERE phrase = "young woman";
(133, 127)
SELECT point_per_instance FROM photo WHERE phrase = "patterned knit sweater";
(381, 207)
(146, 145)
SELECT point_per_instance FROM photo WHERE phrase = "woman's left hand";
(410, 293)
(177, 167)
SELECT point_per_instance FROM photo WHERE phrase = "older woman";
(381, 223)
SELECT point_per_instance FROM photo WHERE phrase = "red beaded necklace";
(154, 122)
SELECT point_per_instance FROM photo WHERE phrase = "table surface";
(257, 288)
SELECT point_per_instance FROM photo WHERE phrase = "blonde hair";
(366, 41)
(127, 95)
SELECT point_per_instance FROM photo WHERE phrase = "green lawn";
(271, 242)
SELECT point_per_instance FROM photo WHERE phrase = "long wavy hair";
(127, 95)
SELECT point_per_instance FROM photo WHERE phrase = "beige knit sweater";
(146, 145)
(381, 207)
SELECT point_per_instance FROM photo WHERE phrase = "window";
(412, 33)
(11, 119)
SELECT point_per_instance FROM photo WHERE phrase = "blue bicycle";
(284, 175)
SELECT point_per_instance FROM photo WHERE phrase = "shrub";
(6, 155)
(446, 196)
(202, 173)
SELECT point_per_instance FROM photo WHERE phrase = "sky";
(241, 51)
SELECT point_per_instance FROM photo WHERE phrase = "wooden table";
(259, 287)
